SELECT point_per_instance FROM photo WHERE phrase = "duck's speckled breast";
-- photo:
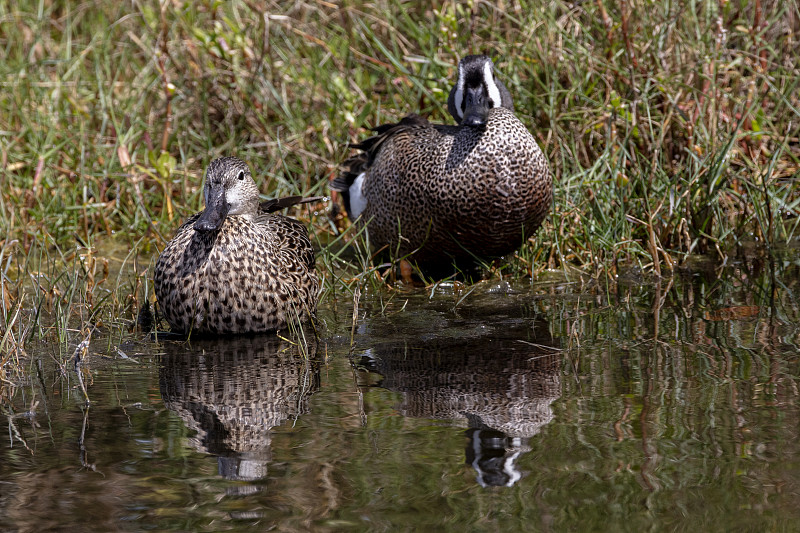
(251, 275)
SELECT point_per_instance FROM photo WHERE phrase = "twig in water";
(82, 440)
(80, 352)
(543, 346)
(356, 298)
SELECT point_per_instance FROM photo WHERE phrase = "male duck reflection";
(500, 388)
(479, 189)
(237, 267)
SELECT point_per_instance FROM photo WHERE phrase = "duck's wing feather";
(355, 165)
(373, 144)
(276, 204)
(289, 236)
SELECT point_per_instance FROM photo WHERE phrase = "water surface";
(558, 405)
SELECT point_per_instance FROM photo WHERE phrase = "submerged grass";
(671, 128)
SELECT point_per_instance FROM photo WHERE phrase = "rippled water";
(557, 406)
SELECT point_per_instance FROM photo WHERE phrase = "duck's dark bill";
(215, 212)
(476, 105)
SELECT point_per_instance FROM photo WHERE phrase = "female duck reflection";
(232, 392)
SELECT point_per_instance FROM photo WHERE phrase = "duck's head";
(476, 92)
(229, 190)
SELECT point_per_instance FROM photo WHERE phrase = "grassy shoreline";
(672, 130)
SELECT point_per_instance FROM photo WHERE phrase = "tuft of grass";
(672, 129)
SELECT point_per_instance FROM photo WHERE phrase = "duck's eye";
(241, 175)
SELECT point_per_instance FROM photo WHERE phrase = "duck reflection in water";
(500, 385)
(233, 391)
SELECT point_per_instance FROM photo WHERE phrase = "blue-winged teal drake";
(236, 267)
(478, 189)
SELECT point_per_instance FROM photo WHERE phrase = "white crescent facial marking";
(510, 469)
(357, 201)
(460, 91)
(491, 86)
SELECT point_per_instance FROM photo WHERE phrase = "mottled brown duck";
(475, 190)
(237, 267)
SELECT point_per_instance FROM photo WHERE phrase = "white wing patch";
(357, 201)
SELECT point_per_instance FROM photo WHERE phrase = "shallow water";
(557, 406)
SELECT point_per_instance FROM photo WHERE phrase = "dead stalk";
(356, 299)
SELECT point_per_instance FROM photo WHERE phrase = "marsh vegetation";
(672, 130)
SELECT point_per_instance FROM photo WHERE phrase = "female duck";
(235, 267)
(475, 190)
